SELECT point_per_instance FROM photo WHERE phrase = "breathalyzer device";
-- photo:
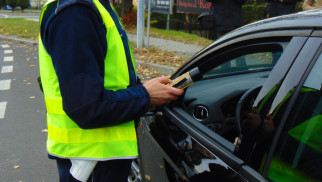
(186, 79)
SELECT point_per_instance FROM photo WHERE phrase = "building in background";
(37, 4)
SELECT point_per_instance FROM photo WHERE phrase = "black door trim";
(213, 142)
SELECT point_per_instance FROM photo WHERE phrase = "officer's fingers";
(175, 91)
(162, 79)
(157, 81)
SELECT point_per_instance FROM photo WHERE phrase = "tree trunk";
(127, 6)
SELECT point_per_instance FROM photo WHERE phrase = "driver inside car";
(302, 152)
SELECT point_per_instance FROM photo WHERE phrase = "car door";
(296, 146)
(174, 145)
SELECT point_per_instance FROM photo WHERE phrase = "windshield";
(254, 62)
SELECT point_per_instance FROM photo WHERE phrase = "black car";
(254, 116)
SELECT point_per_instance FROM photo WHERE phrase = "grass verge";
(19, 27)
(29, 29)
(176, 36)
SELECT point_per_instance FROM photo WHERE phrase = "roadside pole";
(168, 21)
(148, 23)
(140, 24)
(159, 6)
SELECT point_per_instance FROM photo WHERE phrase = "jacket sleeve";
(77, 44)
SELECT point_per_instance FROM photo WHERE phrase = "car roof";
(311, 19)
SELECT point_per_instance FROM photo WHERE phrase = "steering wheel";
(251, 93)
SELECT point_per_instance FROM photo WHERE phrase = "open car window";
(259, 61)
(213, 100)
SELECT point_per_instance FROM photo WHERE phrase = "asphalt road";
(23, 155)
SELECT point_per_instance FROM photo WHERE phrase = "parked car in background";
(254, 116)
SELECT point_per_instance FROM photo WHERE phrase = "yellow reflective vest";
(65, 138)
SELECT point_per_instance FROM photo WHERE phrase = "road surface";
(22, 117)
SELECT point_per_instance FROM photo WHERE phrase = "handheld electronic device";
(186, 79)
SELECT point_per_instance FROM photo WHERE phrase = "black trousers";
(104, 171)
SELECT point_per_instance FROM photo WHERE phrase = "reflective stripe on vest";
(65, 138)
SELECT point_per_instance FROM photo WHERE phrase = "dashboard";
(213, 102)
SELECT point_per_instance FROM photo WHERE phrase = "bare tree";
(24, 4)
(127, 6)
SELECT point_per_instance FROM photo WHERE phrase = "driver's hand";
(254, 118)
(161, 93)
(268, 125)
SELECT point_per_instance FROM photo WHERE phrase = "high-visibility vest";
(65, 138)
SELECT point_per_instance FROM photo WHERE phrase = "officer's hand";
(161, 93)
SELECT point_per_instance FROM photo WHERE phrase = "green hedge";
(253, 13)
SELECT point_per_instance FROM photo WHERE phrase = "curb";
(19, 40)
(166, 70)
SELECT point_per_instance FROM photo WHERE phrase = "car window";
(212, 101)
(298, 155)
(247, 63)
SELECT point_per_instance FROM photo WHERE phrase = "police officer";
(92, 94)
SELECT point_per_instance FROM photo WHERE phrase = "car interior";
(227, 92)
(213, 100)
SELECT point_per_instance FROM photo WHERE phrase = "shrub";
(130, 19)
(253, 13)
(3, 3)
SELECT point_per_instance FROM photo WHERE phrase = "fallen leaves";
(147, 73)
(159, 56)
(147, 177)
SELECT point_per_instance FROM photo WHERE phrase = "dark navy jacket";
(75, 39)
(276, 8)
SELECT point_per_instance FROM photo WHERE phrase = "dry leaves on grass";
(146, 73)
(158, 56)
